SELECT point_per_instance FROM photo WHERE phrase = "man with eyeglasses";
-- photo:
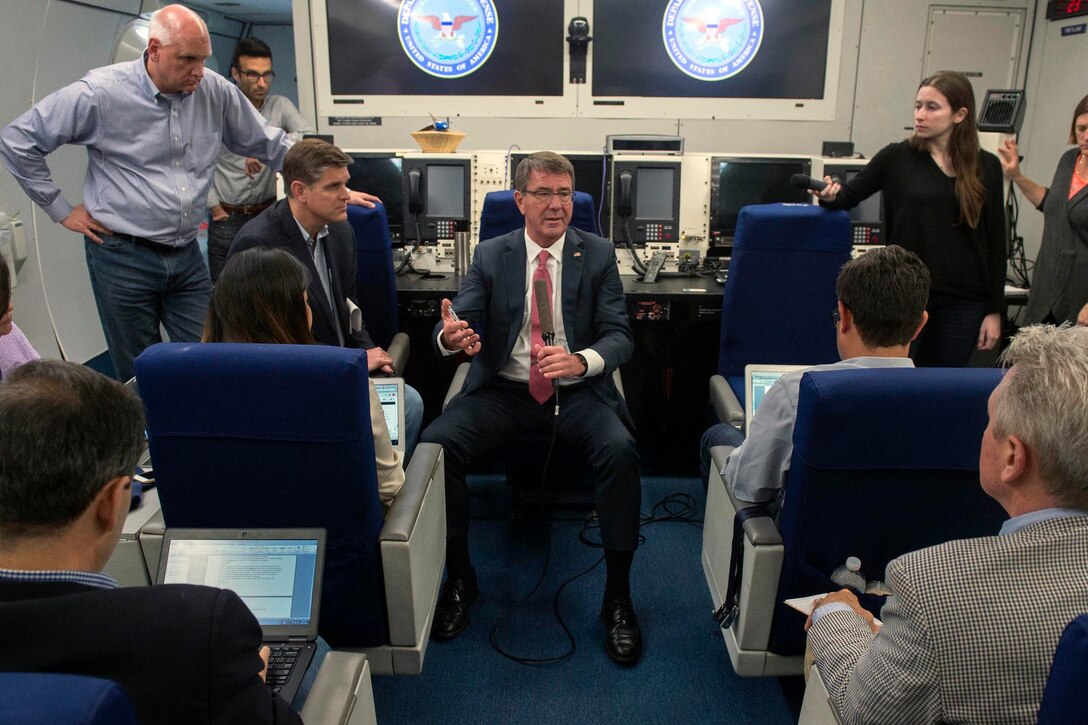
(244, 187)
(882, 300)
(523, 380)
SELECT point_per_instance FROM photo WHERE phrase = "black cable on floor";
(677, 507)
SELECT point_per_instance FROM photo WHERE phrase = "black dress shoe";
(622, 636)
(451, 612)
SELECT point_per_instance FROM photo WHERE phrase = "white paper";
(804, 605)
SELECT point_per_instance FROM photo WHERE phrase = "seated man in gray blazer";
(521, 381)
(971, 626)
(311, 223)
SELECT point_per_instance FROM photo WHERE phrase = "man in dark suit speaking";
(69, 440)
(509, 388)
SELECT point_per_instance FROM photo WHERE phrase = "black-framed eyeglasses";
(253, 76)
(545, 195)
(835, 318)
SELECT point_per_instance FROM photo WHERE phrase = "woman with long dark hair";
(1059, 292)
(261, 297)
(942, 201)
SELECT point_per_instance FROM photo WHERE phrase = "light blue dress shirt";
(151, 156)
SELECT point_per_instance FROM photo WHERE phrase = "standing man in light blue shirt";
(971, 625)
(153, 129)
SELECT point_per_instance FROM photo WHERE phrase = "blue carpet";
(684, 675)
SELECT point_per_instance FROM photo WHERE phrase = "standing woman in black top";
(943, 201)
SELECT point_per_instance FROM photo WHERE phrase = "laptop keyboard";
(281, 660)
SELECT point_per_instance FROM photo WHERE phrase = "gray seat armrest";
(413, 546)
(401, 519)
(341, 693)
(150, 538)
(456, 384)
(759, 530)
(399, 347)
(726, 406)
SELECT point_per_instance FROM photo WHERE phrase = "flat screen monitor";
(736, 182)
(436, 197)
(380, 174)
(645, 201)
(445, 48)
(590, 172)
(710, 49)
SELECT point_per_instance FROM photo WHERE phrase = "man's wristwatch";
(585, 364)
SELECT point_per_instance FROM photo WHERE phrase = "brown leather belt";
(247, 209)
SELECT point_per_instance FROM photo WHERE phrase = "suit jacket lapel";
(573, 261)
(513, 263)
(319, 301)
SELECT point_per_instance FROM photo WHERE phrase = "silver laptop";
(276, 572)
(391, 396)
(758, 379)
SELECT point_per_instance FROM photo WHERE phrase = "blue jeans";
(137, 289)
(323, 649)
(413, 421)
(719, 434)
(220, 236)
(951, 334)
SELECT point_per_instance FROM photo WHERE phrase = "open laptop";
(391, 396)
(276, 572)
(758, 379)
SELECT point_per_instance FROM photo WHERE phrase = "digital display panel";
(446, 47)
(445, 191)
(868, 211)
(654, 193)
(763, 49)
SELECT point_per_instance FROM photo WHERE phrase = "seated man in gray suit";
(521, 381)
(971, 625)
(311, 223)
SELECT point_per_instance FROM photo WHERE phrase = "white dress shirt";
(517, 367)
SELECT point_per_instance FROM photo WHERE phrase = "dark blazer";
(492, 300)
(275, 227)
(182, 653)
(1060, 286)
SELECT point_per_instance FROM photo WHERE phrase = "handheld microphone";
(547, 325)
(800, 181)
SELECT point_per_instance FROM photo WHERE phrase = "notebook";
(758, 379)
(276, 572)
(391, 396)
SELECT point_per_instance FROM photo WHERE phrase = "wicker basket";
(438, 142)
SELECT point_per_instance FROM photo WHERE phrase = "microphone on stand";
(547, 325)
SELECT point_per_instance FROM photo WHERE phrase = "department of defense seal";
(712, 39)
(448, 38)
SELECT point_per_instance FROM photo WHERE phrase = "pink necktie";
(539, 386)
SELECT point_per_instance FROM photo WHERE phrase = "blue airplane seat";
(376, 285)
(780, 292)
(42, 697)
